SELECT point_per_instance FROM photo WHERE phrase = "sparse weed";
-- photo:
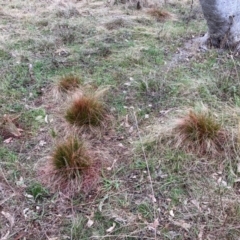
(227, 88)
(140, 164)
(37, 191)
(176, 194)
(4, 55)
(33, 118)
(66, 32)
(7, 156)
(146, 210)
(78, 229)
(111, 184)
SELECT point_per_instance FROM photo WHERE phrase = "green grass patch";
(7, 156)
(33, 118)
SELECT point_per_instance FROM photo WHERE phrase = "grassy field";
(156, 155)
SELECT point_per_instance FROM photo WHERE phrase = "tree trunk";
(223, 20)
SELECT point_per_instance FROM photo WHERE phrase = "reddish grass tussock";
(71, 158)
(159, 14)
(68, 83)
(86, 110)
(116, 24)
(71, 168)
(201, 133)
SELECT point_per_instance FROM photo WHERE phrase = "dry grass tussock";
(86, 110)
(117, 23)
(68, 83)
(64, 88)
(65, 9)
(200, 133)
(160, 15)
(71, 168)
(82, 110)
(198, 147)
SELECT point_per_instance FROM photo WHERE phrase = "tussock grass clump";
(159, 14)
(68, 83)
(70, 159)
(72, 169)
(86, 110)
(65, 9)
(116, 24)
(66, 32)
(200, 132)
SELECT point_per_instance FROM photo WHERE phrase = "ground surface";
(154, 72)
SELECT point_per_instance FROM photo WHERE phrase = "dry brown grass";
(71, 168)
(159, 14)
(86, 110)
(116, 24)
(71, 158)
(201, 133)
(68, 83)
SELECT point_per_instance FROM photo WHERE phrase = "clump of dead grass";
(86, 110)
(140, 4)
(68, 83)
(116, 24)
(66, 32)
(71, 158)
(71, 168)
(65, 9)
(159, 14)
(201, 133)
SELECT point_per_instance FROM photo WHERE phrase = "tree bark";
(223, 20)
